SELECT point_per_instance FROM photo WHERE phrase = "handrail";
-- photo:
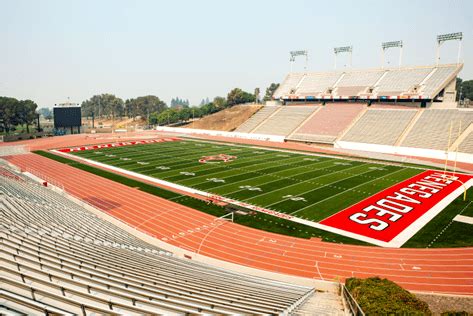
(354, 308)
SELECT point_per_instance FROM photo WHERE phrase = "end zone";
(120, 144)
(391, 217)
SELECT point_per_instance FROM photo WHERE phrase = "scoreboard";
(67, 117)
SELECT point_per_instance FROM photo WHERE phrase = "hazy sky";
(51, 50)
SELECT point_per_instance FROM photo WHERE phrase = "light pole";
(449, 37)
(387, 45)
(344, 49)
(296, 53)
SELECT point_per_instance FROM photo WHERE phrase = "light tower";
(296, 53)
(387, 45)
(449, 37)
(344, 49)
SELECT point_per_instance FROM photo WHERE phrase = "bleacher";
(285, 120)
(466, 146)
(355, 83)
(256, 119)
(437, 80)
(403, 83)
(59, 258)
(380, 126)
(400, 81)
(290, 83)
(432, 129)
(314, 83)
(328, 123)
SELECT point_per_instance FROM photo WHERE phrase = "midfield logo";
(217, 159)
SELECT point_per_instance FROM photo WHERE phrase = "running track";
(426, 270)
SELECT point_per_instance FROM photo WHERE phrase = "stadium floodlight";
(458, 36)
(342, 49)
(393, 44)
(296, 53)
(386, 45)
(449, 37)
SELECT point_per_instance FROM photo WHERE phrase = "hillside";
(118, 122)
(226, 120)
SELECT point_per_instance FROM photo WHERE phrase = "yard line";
(188, 159)
(211, 167)
(331, 197)
(323, 186)
(261, 172)
(280, 178)
(324, 175)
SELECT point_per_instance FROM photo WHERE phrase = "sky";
(54, 50)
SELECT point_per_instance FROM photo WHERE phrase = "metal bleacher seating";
(256, 119)
(314, 83)
(399, 81)
(380, 126)
(286, 120)
(290, 83)
(327, 124)
(466, 146)
(59, 258)
(425, 81)
(437, 79)
(432, 129)
(354, 83)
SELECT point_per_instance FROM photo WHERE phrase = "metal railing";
(350, 302)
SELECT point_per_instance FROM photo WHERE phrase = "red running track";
(426, 270)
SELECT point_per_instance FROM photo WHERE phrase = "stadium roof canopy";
(401, 83)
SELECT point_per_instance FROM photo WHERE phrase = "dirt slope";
(226, 120)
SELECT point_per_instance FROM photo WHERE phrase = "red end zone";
(138, 142)
(392, 216)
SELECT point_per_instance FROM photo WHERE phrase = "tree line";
(156, 111)
(464, 89)
(14, 113)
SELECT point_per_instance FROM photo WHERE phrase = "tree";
(47, 113)
(14, 112)
(257, 95)
(467, 90)
(104, 105)
(179, 103)
(27, 112)
(238, 96)
(144, 106)
(268, 96)
(219, 102)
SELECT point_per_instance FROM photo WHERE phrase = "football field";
(307, 186)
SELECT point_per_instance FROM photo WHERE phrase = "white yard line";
(317, 188)
(267, 174)
(331, 197)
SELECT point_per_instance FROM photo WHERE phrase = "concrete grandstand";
(421, 84)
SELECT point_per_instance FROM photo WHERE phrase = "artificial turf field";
(304, 185)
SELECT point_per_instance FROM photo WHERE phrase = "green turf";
(302, 184)
(442, 231)
(259, 221)
(307, 186)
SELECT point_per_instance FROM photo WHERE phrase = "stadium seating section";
(380, 126)
(328, 123)
(466, 146)
(58, 256)
(356, 122)
(432, 129)
(285, 120)
(256, 119)
(425, 82)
